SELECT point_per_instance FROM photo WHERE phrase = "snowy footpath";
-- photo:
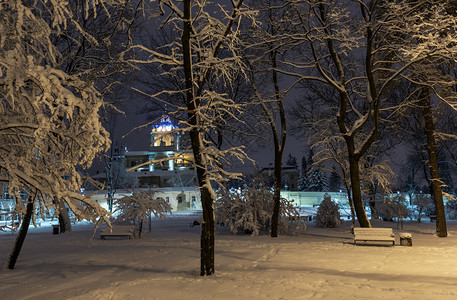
(319, 264)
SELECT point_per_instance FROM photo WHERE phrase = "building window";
(193, 198)
(179, 199)
(167, 199)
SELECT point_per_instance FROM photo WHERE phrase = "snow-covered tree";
(328, 213)
(109, 29)
(205, 54)
(49, 121)
(312, 177)
(318, 181)
(139, 206)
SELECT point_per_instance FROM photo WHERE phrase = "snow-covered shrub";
(393, 208)
(290, 220)
(328, 213)
(250, 209)
(421, 205)
(247, 210)
(139, 206)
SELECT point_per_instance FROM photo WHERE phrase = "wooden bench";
(305, 218)
(118, 231)
(199, 222)
(195, 223)
(432, 218)
(374, 235)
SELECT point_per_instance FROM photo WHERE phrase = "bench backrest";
(119, 229)
(373, 231)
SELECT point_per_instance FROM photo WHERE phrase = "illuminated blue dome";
(164, 124)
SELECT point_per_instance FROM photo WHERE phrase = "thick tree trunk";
(20, 237)
(207, 198)
(276, 197)
(354, 173)
(435, 180)
(207, 233)
(207, 266)
(64, 218)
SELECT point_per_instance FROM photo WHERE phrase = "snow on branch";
(140, 205)
(50, 122)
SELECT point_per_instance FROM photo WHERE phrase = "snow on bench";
(374, 235)
(118, 231)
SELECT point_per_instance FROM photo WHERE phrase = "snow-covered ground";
(319, 264)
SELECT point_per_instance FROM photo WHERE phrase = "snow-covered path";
(320, 264)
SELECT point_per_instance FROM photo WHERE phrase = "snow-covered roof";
(162, 189)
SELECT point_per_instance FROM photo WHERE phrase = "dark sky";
(138, 140)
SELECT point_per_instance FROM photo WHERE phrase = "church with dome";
(165, 164)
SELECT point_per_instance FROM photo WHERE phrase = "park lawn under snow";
(321, 263)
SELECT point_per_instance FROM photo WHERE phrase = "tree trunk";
(207, 198)
(64, 218)
(20, 236)
(276, 197)
(372, 204)
(372, 201)
(207, 233)
(279, 138)
(435, 180)
(140, 227)
(354, 173)
(354, 158)
(351, 206)
(207, 195)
